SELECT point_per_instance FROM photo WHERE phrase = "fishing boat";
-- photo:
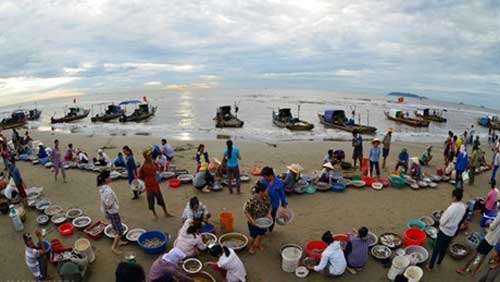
(224, 118)
(436, 115)
(492, 122)
(74, 113)
(30, 115)
(338, 120)
(112, 112)
(143, 111)
(284, 119)
(16, 119)
(399, 116)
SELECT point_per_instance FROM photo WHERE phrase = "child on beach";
(375, 157)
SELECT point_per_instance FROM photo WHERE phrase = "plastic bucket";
(226, 221)
(398, 266)
(414, 237)
(315, 248)
(487, 217)
(290, 256)
(414, 273)
(84, 247)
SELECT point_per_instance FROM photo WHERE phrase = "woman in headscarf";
(461, 166)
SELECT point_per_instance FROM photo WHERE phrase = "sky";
(440, 49)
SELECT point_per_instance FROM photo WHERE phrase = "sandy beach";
(381, 211)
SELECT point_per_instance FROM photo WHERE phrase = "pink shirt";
(491, 199)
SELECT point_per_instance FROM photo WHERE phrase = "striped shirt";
(31, 256)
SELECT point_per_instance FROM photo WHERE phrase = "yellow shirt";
(459, 142)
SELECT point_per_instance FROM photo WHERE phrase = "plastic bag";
(138, 185)
(465, 176)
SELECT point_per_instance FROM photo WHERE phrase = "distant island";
(407, 95)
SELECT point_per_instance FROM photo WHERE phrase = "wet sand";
(381, 211)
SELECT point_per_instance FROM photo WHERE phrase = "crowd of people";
(268, 200)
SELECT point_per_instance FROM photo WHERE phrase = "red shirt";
(147, 173)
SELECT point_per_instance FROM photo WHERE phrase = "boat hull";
(491, 125)
(231, 123)
(411, 122)
(304, 126)
(363, 129)
(70, 119)
(431, 118)
(106, 117)
(138, 118)
(10, 125)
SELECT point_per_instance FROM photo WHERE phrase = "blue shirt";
(131, 168)
(41, 153)
(168, 151)
(359, 147)
(374, 154)
(14, 173)
(276, 192)
(403, 156)
(119, 161)
(233, 161)
(461, 162)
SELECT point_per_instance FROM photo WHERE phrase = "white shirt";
(493, 235)
(188, 242)
(236, 271)
(448, 224)
(109, 201)
(82, 157)
(190, 214)
(168, 151)
(31, 257)
(334, 258)
(497, 159)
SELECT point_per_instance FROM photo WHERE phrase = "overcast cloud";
(431, 48)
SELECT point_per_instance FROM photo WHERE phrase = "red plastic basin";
(315, 248)
(368, 180)
(174, 183)
(65, 229)
(414, 237)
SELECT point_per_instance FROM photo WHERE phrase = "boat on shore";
(398, 116)
(31, 115)
(224, 118)
(284, 119)
(16, 119)
(492, 122)
(74, 113)
(112, 112)
(338, 120)
(435, 115)
(142, 112)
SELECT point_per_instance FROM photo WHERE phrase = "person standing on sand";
(35, 256)
(147, 173)
(449, 149)
(257, 207)
(461, 166)
(357, 153)
(110, 208)
(57, 161)
(387, 146)
(374, 157)
(201, 157)
(131, 168)
(496, 163)
(18, 180)
(276, 192)
(473, 163)
(448, 227)
(232, 155)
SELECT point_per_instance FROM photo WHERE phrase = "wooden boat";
(111, 113)
(141, 113)
(492, 122)
(224, 118)
(33, 114)
(398, 116)
(284, 119)
(338, 120)
(75, 113)
(436, 115)
(17, 119)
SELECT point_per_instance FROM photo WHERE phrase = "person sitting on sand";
(69, 155)
(164, 268)
(204, 177)
(36, 256)
(162, 162)
(415, 169)
(485, 246)
(147, 173)
(82, 157)
(201, 157)
(119, 161)
(490, 203)
(426, 157)
(403, 159)
(42, 154)
(338, 156)
(229, 265)
(326, 175)
(357, 249)
(195, 210)
(102, 159)
(189, 240)
(332, 257)
(257, 207)
(167, 150)
(329, 158)
(292, 176)
(110, 208)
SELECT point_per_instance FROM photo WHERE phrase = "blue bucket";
(153, 234)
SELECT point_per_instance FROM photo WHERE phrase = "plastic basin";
(414, 237)
(150, 235)
(338, 187)
(368, 180)
(207, 228)
(416, 223)
(65, 229)
(174, 183)
(314, 249)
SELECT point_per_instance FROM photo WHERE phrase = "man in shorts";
(357, 153)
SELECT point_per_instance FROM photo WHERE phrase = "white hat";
(99, 151)
(375, 140)
(328, 165)
(295, 168)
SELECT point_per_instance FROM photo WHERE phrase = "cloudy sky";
(444, 49)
